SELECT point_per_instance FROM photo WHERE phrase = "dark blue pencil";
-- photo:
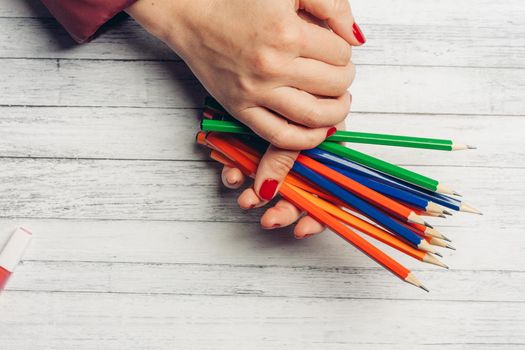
(330, 158)
(390, 191)
(362, 206)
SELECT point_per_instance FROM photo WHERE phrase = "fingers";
(338, 15)
(307, 109)
(232, 177)
(273, 168)
(307, 226)
(320, 78)
(282, 214)
(322, 44)
(279, 132)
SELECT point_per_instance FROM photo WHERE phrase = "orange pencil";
(369, 229)
(249, 168)
(363, 191)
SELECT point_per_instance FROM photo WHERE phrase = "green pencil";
(345, 152)
(350, 136)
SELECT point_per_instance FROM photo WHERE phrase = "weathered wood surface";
(387, 89)
(137, 246)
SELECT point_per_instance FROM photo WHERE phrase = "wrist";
(162, 18)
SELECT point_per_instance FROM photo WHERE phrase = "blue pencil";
(390, 191)
(362, 206)
(330, 158)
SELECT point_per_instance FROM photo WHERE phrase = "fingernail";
(268, 189)
(358, 33)
(331, 131)
(252, 206)
(276, 225)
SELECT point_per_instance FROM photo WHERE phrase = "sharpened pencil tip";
(446, 212)
(438, 254)
(442, 216)
(471, 147)
(469, 209)
(445, 238)
(450, 247)
(428, 225)
(456, 194)
(424, 288)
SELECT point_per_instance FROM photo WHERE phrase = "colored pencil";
(249, 168)
(362, 206)
(364, 192)
(346, 164)
(231, 126)
(369, 229)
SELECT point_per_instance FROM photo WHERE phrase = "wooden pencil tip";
(442, 216)
(469, 209)
(433, 260)
(445, 238)
(446, 212)
(471, 147)
(438, 254)
(427, 224)
(414, 281)
(450, 247)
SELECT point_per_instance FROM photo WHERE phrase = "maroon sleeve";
(82, 18)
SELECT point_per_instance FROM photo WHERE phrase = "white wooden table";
(137, 246)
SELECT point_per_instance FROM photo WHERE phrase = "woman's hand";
(263, 62)
(269, 63)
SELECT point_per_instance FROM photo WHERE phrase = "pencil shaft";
(344, 136)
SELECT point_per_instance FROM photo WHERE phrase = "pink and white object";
(12, 253)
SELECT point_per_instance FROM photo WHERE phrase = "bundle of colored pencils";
(345, 189)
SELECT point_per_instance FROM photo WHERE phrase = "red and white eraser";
(12, 253)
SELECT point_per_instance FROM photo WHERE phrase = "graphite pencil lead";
(446, 212)
(410, 278)
(469, 209)
(427, 225)
(442, 216)
(424, 288)
(471, 147)
(438, 254)
(445, 238)
(450, 247)
(456, 194)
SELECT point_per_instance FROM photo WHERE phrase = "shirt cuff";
(82, 18)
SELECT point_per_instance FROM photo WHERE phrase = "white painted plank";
(170, 84)
(466, 44)
(266, 281)
(117, 321)
(169, 134)
(482, 13)
(480, 247)
(47, 188)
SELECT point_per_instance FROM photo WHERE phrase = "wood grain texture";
(137, 245)
(112, 189)
(163, 321)
(167, 134)
(466, 44)
(385, 89)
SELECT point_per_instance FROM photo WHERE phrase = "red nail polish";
(268, 189)
(252, 206)
(358, 33)
(276, 226)
(331, 131)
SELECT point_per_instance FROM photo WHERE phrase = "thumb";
(273, 168)
(338, 15)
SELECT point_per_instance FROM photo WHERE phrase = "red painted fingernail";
(268, 189)
(358, 33)
(331, 131)
(252, 206)
(276, 225)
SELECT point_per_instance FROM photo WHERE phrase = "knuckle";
(278, 139)
(263, 63)
(286, 34)
(345, 54)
